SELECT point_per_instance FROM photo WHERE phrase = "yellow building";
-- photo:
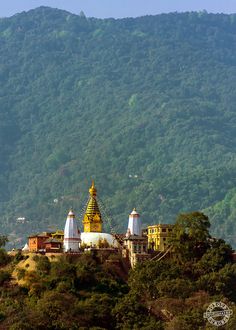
(158, 236)
(92, 218)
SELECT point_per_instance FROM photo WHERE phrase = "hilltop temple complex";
(135, 246)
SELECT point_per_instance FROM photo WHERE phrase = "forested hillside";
(145, 106)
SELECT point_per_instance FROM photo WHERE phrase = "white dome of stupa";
(93, 239)
(92, 235)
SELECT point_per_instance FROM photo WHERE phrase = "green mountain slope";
(145, 106)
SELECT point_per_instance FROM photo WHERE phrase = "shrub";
(4, 257)
(21, 273)
(4, 276)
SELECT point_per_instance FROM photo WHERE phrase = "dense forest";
(94, 291)
(144, 106)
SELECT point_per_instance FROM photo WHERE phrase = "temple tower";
(134, 226)
(71, 234)
(92, 218)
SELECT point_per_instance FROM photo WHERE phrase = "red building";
(53, 245)
(36, 242)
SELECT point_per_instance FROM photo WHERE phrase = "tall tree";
(3, 240)
(191, 235)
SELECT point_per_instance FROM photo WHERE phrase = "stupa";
(71, 234)
(92, 236)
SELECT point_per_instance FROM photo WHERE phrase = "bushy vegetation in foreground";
(85, 293)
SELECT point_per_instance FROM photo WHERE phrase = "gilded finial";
(93, 190)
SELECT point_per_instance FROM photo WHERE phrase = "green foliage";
(191, 320)
(221, 282)
(43, 265)
(4, 257)
(191, 235)
(18, 257)
(84, 292)
(175, 288)
(3, 240)
(151, 119)
(21, 273)
(131, 313)
(74, 292)
(4, 276)
(215, 258)
(96, 311)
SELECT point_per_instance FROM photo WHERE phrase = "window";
(163, 230)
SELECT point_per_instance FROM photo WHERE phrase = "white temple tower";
(134, 225)
(71, 234)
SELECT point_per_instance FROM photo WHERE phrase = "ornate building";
(137, 245)
(92, 218)
(92, 221)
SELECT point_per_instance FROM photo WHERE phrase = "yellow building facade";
(159, 236)
(92, 220)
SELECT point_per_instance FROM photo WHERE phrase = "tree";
(191, 235)
(43, 265)
(4, 257)
(216, 257)
(4, 276)
(131, 313)
(3, 240)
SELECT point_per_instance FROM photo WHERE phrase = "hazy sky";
(119, 8)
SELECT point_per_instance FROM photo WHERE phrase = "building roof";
(92, 207)
(53, 240)
(71, 227)
(71, 213)
(134, 212)
(43, 234)
(161, 225)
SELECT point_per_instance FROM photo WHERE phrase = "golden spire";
(92, 218)
(93, 190)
